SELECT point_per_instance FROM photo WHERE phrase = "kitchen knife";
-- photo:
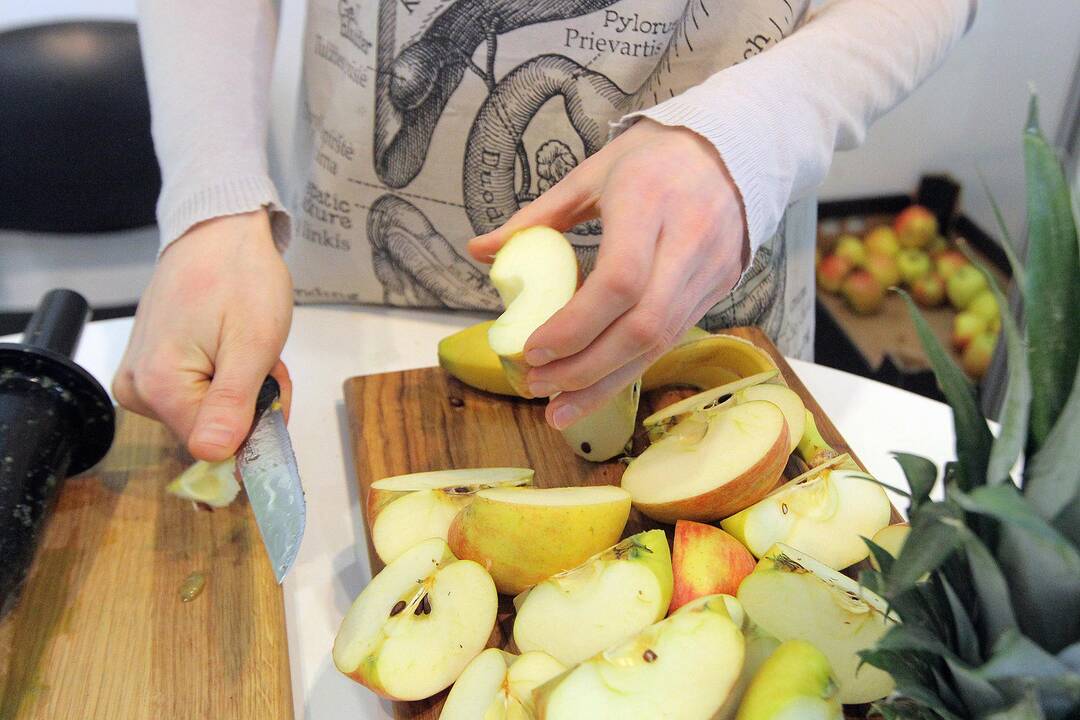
(267, 467)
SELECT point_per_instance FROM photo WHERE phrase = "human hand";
(674, 244)
(209, 328)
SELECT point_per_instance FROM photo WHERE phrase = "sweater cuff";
(177, 215)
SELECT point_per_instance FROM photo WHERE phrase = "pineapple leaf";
(1052, 477)
(979, 694)
(992, 592)
(882, 556)
(1071, 656)
(1026, 708)
(1010, 441)
(973, 437)
(1005, 504)
(1015, 656)
(906, 637)
(967, 640)
(921, 475)
(911, 676)
(1053, 282)
(935, 534)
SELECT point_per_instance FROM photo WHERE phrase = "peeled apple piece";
(792, 596)
(824, 513)
(535, 273)
(606, 432)
(211, 483)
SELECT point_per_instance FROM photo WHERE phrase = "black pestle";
(55, 421)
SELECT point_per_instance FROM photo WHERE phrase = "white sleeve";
(777, 118)
(208, 65)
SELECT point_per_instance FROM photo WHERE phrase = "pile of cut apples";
(745, 614)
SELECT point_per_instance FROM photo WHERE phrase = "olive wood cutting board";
(417, 420)
(100, 630)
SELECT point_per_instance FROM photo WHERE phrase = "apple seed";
(398, 607)
(648, 656)
(586, 448)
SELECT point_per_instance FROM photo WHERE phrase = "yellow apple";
(794, 682)
(890, 538)
(706, 561)
(577, 613)
(417, 624)
(467, 356)
(525, 535)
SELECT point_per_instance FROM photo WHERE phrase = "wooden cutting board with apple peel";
(418, 420)
(101, 630)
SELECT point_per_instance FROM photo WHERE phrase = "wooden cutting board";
(101, 632)
(424, 419)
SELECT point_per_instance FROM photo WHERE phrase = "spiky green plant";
(994, 631)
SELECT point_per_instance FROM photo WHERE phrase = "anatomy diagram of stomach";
(414, 262)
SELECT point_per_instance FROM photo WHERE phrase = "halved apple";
(795, 682)
(463, 481)
(681, 667)
(497, 684)
(890, 538)
(535, 273)
(792, 596)
(710, 467)
(575, 614)
(523, 535)
(824, 513)
(712, 399)
(417, 624)
(784, 398)
(606, 432)
(706, 561)
(403, 518)
(707, 362)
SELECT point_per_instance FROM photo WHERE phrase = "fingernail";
(541, 388)
(564, 416)
(539, 356)
(215, 434)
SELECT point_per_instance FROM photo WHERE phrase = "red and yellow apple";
(851, 249)
(964, 285)
(706, 561)
(863, 293)
(882, 240)
(883, 268)
(913, 264)
(929, 290)
(978, 353)
(831, 272)
(916, 227)
(966, 327)
(949, 262)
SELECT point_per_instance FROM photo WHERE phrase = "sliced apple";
(617, 593)
(784, 398)
(707, 469)
(211, 483)
(456, 483)
(467, 356)
(523, 535)
(417, 624)
(794, 682)
(535, 273)
(792, 596)
(707, 362)
(712, 399)
(890, 538)
(706, 561)
(497, 684)
(824, 513)
(606, 432)
(681, 667)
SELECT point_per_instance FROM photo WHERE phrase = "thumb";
(570, 201)
(225, 413)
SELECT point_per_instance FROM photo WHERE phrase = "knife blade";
(267, 466)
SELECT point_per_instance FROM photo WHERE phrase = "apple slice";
(497, 684)
(535, 273)
(617, 593)
(211, 483)
(706, 561)
(707, 469)
(792, 596)
(794, 682)
(891, 538)
(464, 481)
(824, 513)
(417, 624)
(715, 398)
(681, 667)
(606, 432)
(467, 356)
(523, 535)
(784, 398)
(707, 362)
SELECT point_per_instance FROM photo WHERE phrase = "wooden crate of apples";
(745, 616)
(911, 253)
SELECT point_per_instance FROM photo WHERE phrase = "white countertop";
(329, 344)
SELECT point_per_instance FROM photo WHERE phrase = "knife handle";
(268, 393)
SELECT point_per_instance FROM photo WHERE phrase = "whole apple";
(883, 241)
(929, 290)
(937, 246)
(916, 227)
(964, 285)
(883, 268)
(913, 264)
(978, 353)
(948, 262)
(831, 273)
(986, 305)
(851, 249)
(966, 326)
(863, 293)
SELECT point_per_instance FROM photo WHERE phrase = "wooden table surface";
(101, 632)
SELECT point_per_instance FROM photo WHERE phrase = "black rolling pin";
(55, 420)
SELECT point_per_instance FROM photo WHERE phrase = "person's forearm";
(777, 118)
(208, 67)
